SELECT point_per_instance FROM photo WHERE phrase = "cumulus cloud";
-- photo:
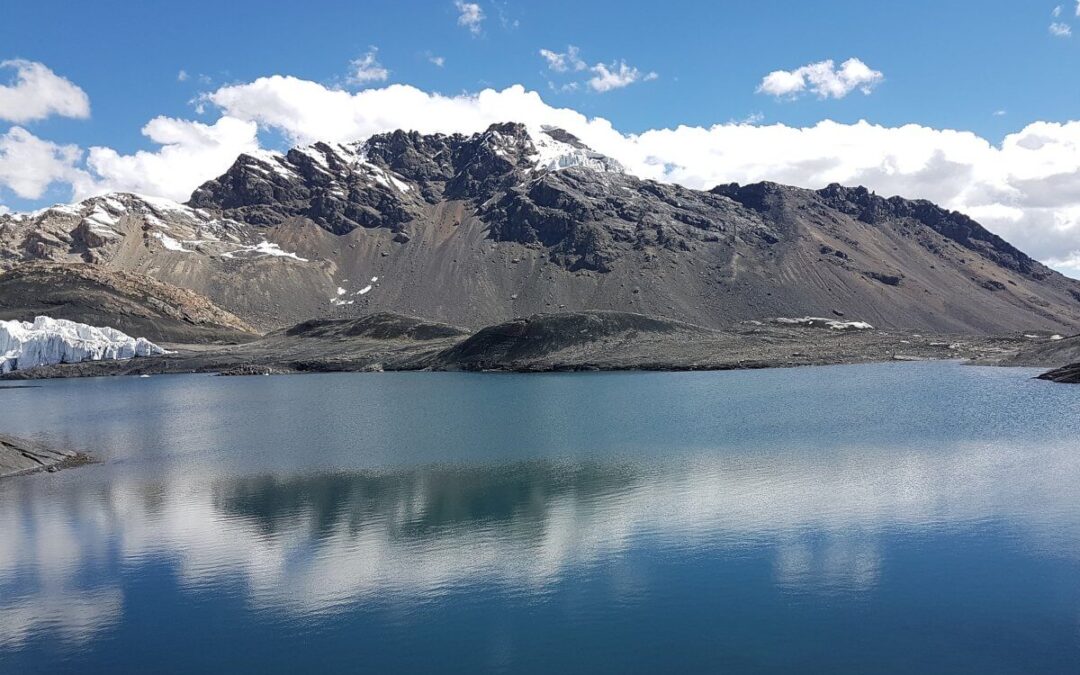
(616, 76)
(604, 77)
(1061, 30)
(562, 62)
(439, 61)
(823, 79)
(35, 92)
(191, 153)
(470, 16)
(367, 68)
(29, 165)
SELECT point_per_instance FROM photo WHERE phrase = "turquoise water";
(887, 518)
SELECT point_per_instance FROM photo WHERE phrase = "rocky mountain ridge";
(476, 230)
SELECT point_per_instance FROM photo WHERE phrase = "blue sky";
(991, 68)
(947, 63)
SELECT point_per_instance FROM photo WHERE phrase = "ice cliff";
(48, 341)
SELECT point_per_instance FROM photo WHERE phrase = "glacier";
(48, 341)
(553, 154)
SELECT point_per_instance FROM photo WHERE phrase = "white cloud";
(1077, 7)
(439, 61)
(182, 76)
(616, 76)
(470, 16)
(367, 68)
(562, 62)
(823, 79)
(1062, 30)
(1056, 12)
(1069, 264)
(191, 153)
(28, 164)
(37, 92)
(1000, 113)
(605, 77)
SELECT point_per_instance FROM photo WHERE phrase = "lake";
(907, 517)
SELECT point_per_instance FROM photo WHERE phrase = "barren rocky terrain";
(132, 303)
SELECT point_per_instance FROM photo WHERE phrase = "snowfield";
(821, 322)
(49, 341)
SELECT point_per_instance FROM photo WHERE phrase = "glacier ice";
(552, 154)
(48, 341)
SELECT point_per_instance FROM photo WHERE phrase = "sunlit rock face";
(48, 341)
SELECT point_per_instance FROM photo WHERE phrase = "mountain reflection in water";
(316, 543)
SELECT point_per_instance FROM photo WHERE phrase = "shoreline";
(570, 342)
(146, 370)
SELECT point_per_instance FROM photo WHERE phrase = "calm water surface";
(886, 518)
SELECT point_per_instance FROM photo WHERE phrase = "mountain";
(476, 230)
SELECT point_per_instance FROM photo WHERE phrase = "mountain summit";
(391, 178)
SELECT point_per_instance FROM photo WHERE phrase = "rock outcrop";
(1069, 374)
(20, 456)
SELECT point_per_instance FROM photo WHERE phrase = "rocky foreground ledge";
(1069, 374)
(20, 456)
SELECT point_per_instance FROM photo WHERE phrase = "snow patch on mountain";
(171, 244)
(49, 341)
(105, 212)
(821, 322)
(262, 249)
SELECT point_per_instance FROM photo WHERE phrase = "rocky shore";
(20, 456)
(1069, 374)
